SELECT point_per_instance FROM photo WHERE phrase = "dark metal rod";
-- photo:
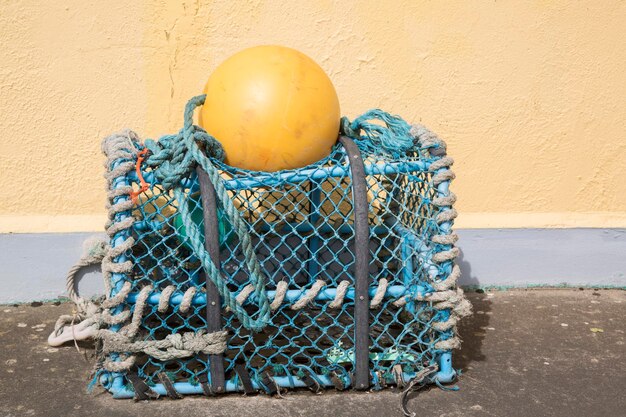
(361, 264)
(212, 245)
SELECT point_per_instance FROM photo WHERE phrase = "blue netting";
(301, 226)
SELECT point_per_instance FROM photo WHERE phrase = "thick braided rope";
(94, 249)
(340, 294)
(279, 295)
(125, 340)
(172, 159)
(309, 295)
(174, 346)
(306, 296)
(124, 363)
(214, 274)
(238, 224)
(121, 150)
(394, 136)
(444, 297)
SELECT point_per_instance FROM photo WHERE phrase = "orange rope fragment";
(143, 185)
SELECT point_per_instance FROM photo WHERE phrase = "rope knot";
(171, 156)
(349, 128)
(390, 132)
(171, 159)
(176, 339)
(94, 249)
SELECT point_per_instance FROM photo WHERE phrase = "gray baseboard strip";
(33, 266)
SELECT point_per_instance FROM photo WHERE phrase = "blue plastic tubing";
(446, 371)
(117, 381)
(326, 294)
(232, 385)
(312, 174)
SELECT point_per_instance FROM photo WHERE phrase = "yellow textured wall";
(530, 96)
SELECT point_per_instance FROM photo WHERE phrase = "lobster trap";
(339, 274)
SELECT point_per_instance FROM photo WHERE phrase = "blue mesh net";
(301, 226)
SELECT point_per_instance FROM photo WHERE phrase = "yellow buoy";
(271, 108)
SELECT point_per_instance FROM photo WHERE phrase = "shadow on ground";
(529, 353)
(472, 330)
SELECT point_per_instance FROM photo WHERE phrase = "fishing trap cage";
(338, 274)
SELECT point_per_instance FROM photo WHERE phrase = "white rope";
(379, 294)
(174, 346)
(164, 301)
(444, 297)
(309, 295)
(185, 304)
(279, 296)
(340, 294)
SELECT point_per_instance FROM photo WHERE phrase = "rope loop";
(172, 159)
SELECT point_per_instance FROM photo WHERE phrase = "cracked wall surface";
(531, 97)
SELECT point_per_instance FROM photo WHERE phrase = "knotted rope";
(121, 152)
(172, 158)
(394, 136)
(174, 346)
(444, 297)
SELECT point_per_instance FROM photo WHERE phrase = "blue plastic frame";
(114, 382)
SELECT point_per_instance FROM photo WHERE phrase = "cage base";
(120, 391)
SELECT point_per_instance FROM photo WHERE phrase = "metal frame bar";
(213, 303)
(361, 263)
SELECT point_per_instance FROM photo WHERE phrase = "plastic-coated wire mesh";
(301, 223)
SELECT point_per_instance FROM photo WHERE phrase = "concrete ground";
(525, 353)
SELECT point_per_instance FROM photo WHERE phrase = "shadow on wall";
(472, 330)
(467, 280)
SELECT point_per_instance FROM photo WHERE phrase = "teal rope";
(172, 158)
(394, 136)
